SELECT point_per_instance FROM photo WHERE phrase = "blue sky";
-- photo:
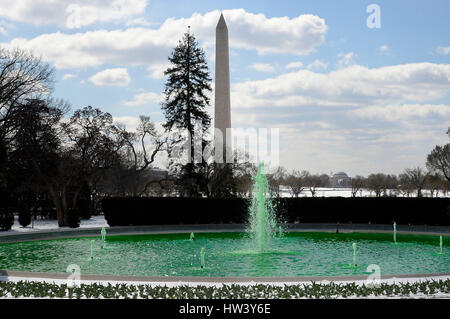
(345, 97)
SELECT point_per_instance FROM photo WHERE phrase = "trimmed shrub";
(362, 210)
(173, 210)
(24, 217)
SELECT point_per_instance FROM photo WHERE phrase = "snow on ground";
(344, 192)
(49, 224)
(393, 280)
(218, 285)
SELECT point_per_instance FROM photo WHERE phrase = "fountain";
(92, 250)
(353, 265)
(354, 255)
(262, 217)
(395, 232)
(202, 258)
(191, 237)
(103, 233)
(440, 245)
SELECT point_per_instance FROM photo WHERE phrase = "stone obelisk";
(222, 115)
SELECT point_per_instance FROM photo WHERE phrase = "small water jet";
(192, 237)
(103, 233)
(92, 250)
(202, 258)
(353, 265)
(354, 255)
(262, 217)
(441, 243)
(395, 232)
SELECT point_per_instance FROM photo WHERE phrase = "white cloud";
(132, 46)
(352, 86)
(358, 119)
(443, 50)
(111, 77)
(356, 150)
(141, 21)
(5, 26)
(263, 67)
(383, 49)
(294, 65)
(130, 122)
(68, 12)
(345, 59)
(403, 112)
(317, 65)
(157, 70)
(68, 76)
(145, 98)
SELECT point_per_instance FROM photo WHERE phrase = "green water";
(231, 255)
(262, 223)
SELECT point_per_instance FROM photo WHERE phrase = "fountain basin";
(229, 252)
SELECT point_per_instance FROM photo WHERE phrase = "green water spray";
(192, 237)
(202, 258)
(440, 244)
(92, 249)
(262, 220)
(354, 255)
(395, 232)
(103, 233)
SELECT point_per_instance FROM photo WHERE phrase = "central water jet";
(262, 217)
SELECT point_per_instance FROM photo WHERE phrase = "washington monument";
(222, 115)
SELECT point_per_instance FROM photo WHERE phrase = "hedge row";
(364, 210)
(128, 211)
(28, 289)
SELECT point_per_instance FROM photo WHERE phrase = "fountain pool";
(231, 254)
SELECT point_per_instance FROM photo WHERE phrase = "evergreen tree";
(186, 99)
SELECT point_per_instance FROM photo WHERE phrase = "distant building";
(340, 179)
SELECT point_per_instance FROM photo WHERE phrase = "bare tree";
(391, 185)
(37, 150)
(377, 183)
(417, 178)
(435, 183)
(357, 183)
(138, 156)
(438, 160)
(325, 180)
(312, 182)
(296, 182)
(22, 76)
(276, 179)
